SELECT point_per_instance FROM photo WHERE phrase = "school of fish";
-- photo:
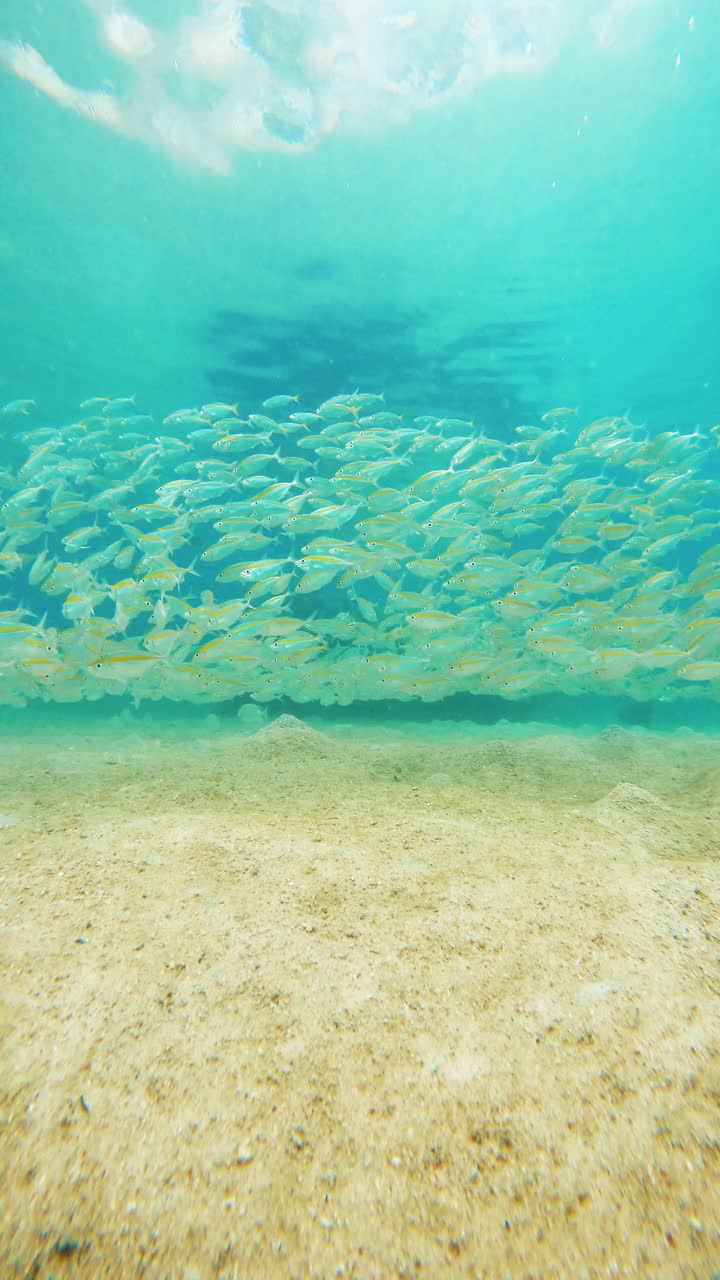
(347, 554)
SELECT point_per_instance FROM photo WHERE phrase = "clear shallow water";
(481, 211)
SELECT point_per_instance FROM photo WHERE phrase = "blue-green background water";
(549, 239)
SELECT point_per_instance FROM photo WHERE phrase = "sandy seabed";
(359, 1003)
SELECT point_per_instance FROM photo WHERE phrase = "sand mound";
(552, 767)
(288, 733)
(251, 716)
(655, 826)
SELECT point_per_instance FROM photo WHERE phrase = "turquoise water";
(483, 212)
